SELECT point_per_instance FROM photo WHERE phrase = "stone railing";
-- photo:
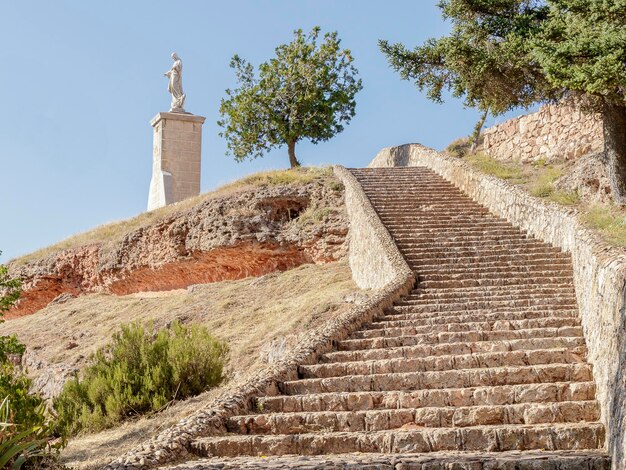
(599, 272)
(555, 132)
(375, 260)
(371, 248)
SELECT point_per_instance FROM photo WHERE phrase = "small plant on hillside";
(26, 429)
(138, 373)
(459, 148)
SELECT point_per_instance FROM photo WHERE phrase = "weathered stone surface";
(374, 258)
(555, 132)
(176, 158)
(589, 178)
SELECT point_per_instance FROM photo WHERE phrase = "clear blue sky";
(80, 81)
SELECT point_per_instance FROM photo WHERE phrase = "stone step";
(424, 225)
(442, 305)
(575, 436)
(429, 251)
(472, 258)
(442, 379)
(515, 281)
(528, 460)
(403, 320)
(457, 337)
(454, 397)
(462, 247)
(422, 292)
(420, 312)
(431, 417)
(482, 275)
(377, 330)
(453, 231)
(416, 248)
(444, 349)
(431, 264)
(441, 363)
(513, 270)
(492, 292)
(504, 298)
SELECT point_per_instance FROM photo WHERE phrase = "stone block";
(177, 153)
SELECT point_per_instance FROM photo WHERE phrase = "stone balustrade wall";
(599, 271)
(555, 132)
(374, 258)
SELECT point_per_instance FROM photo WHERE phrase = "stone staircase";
(482, 366)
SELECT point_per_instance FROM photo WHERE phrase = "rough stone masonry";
(176, 156)
(555, 132)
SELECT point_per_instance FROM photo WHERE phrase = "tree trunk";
(614, 120)
(477, 129)
(291, 148)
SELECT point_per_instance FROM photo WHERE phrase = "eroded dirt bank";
(252, 232)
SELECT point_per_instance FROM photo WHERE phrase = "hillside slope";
(267, 222)
(217, 260)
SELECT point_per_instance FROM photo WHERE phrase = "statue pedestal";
(176, 155)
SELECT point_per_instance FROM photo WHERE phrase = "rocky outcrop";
(588, 177)
(249, 233)
(555, 132)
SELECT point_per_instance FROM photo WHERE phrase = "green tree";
(505, 54)
(10, 289)
(305, 92)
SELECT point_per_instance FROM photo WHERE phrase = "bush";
(459, 148)
(138, 373)
(26, 428)
(26, 442)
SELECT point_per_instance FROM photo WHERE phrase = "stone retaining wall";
(599, 271)
(374, 258)
(371, 249)
(555, 132)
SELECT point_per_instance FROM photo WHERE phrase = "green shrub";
(138, 373)
(459, 148)
(26, 428)
(26, 442)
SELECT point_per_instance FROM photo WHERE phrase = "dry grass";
(539, 179)
(115, 231)
(512, 172)
(237, 311)
(608, 220)
(459, 148)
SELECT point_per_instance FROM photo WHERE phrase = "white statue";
(175, 86)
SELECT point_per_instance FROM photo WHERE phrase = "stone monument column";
(176, 155)
(177, 147)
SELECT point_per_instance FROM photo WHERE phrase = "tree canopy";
(505, 54)
(10, 290)
(307, 91)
